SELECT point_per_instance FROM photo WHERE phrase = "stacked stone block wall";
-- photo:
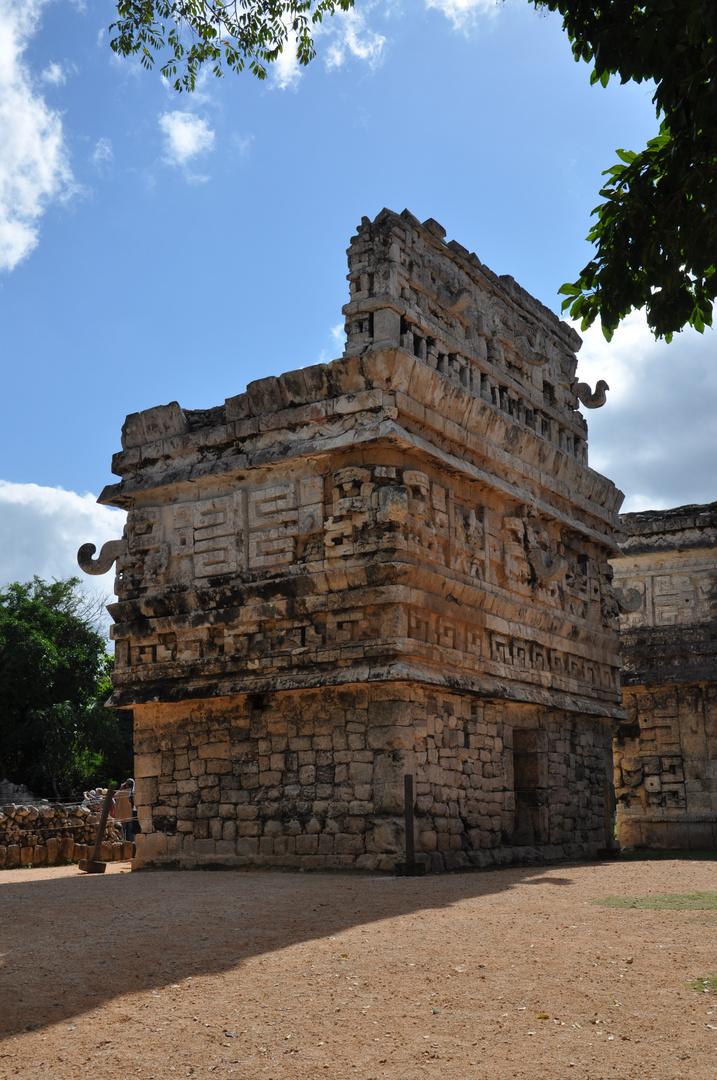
(314, 779)
(666, 750)
(666, 767)
(45, 835)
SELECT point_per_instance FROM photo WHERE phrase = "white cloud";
(463, 13)
(338, 333)
(41, 529)
(241, 143)
(656, 436)
(286, 69)
(346, 35)
(54, 74)
(351, 37)
(103, 154)
(34, 168)
(186, 136)
(337, 341)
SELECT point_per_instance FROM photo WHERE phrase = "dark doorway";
(531, 787)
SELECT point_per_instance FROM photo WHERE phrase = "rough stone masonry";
(666, 752)
(393, 563)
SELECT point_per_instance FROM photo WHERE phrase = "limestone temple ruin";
(666, 752)
(394, 563)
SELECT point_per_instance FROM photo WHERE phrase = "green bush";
(56, 736)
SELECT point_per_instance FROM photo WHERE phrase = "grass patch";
(693, 901)
(705, 985)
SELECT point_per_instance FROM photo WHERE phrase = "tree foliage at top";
(55, 734)
(231, 34)
(655, 234)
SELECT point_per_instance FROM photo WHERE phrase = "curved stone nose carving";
(628, 600)
(110, 551)
(590, 400)
(457, 302)
(547, 567)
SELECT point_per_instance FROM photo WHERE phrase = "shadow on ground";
(71, 943)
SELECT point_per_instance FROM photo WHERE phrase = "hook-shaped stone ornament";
(628, 601)
(547, 567)
(586, 396)
(459, 301)
(455, 302)
(109, 553)
(531, 355)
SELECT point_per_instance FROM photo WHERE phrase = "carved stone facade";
(395, 562)
(666, 752)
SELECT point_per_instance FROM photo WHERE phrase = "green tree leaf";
(655, 234)
(225, 35)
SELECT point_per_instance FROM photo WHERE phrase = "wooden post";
(410, 868)
(612, 848)
(94, 865)
(408, 815)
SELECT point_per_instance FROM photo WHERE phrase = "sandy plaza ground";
(507, 973)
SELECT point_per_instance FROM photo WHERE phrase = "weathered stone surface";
(48, 833)
(389, 563)
(665, 753)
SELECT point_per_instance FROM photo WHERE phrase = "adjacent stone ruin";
(666, 753)
(55, 833)
(15, 793)
(395, 563)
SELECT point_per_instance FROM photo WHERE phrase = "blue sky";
(156, 246)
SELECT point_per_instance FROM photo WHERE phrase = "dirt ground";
(286, 976)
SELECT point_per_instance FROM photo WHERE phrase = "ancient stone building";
(394, 563)
(666, 753)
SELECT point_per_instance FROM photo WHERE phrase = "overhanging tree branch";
(232, 35)
(655, 234)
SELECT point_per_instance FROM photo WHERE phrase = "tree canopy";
(55, 734)
(655, 233)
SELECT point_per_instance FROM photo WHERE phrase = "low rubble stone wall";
(45, 835)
